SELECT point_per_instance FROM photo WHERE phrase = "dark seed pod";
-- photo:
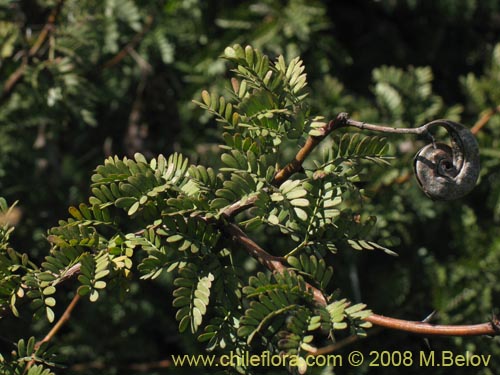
(447, 172)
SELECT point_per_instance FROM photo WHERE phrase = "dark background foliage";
(117, 77)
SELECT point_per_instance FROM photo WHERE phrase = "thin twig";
(47, 28)
(13, 80)
(484, 119)
(344, 342)
(340, 121)
(134, 139)
(239, 207)
(18, 74)
(272, 262)
(422, 130)
(130, 45)
(292, 167)
(62, 320)
(71, 272)
(312, 141)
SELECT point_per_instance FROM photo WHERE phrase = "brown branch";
(294, 166)
(344, 342)
(13, 80)
(484, 119)
(130, 45)
(312, 141)
(421, 328)
(62, 320)
(273, 263)
(47, 28)
(276, 264)
(18, 74)
(341, 120)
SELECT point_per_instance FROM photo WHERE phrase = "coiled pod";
(447, 172)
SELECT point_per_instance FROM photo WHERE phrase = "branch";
(49, 25)
(239, 207)
(422, 130)
(483, 120)
(63, 319)
(272, 262)
(13, 80)
(130, 45)
(342, 120)
(18, 74)
(344, 342)
(72, 271)
(276, 264)
(294, 166)
(312, 141)
(490, 328)
(282, 175)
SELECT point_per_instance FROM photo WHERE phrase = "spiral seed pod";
(448, 172)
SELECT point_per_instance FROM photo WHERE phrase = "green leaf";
(83, 290)
(49, 290)
(50, 314)
(133, 209)
(100, 284)
(94, 295)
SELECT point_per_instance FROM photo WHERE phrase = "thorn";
(427, 344)
(429, 317)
